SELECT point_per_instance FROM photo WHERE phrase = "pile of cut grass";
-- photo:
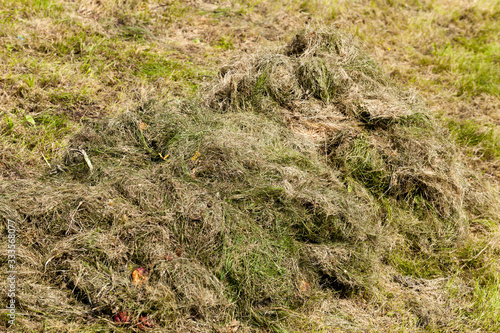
(323, 88)
(304, 180)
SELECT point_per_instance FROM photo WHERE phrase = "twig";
(86, 157)
(46, 161)
(477, 255)
(72, 216)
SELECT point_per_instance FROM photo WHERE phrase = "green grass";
(486, 305)
(475, 62)
(363, 163)
(473, 56)
(485, 142)
(293, 203)
(225, 43)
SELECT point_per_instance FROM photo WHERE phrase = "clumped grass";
(234, 224)
(301, 190)
(375, 133)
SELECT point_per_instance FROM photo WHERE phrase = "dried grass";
(306, 167)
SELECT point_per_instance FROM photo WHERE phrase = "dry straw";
(307, 167)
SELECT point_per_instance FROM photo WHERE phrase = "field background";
(75, 74)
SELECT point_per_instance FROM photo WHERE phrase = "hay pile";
(323, 87)
(307, 176)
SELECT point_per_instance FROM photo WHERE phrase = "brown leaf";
(145, 323)
(303, 286)
(139, 275)
(121, 317)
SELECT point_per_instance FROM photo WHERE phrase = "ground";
(288, 166)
